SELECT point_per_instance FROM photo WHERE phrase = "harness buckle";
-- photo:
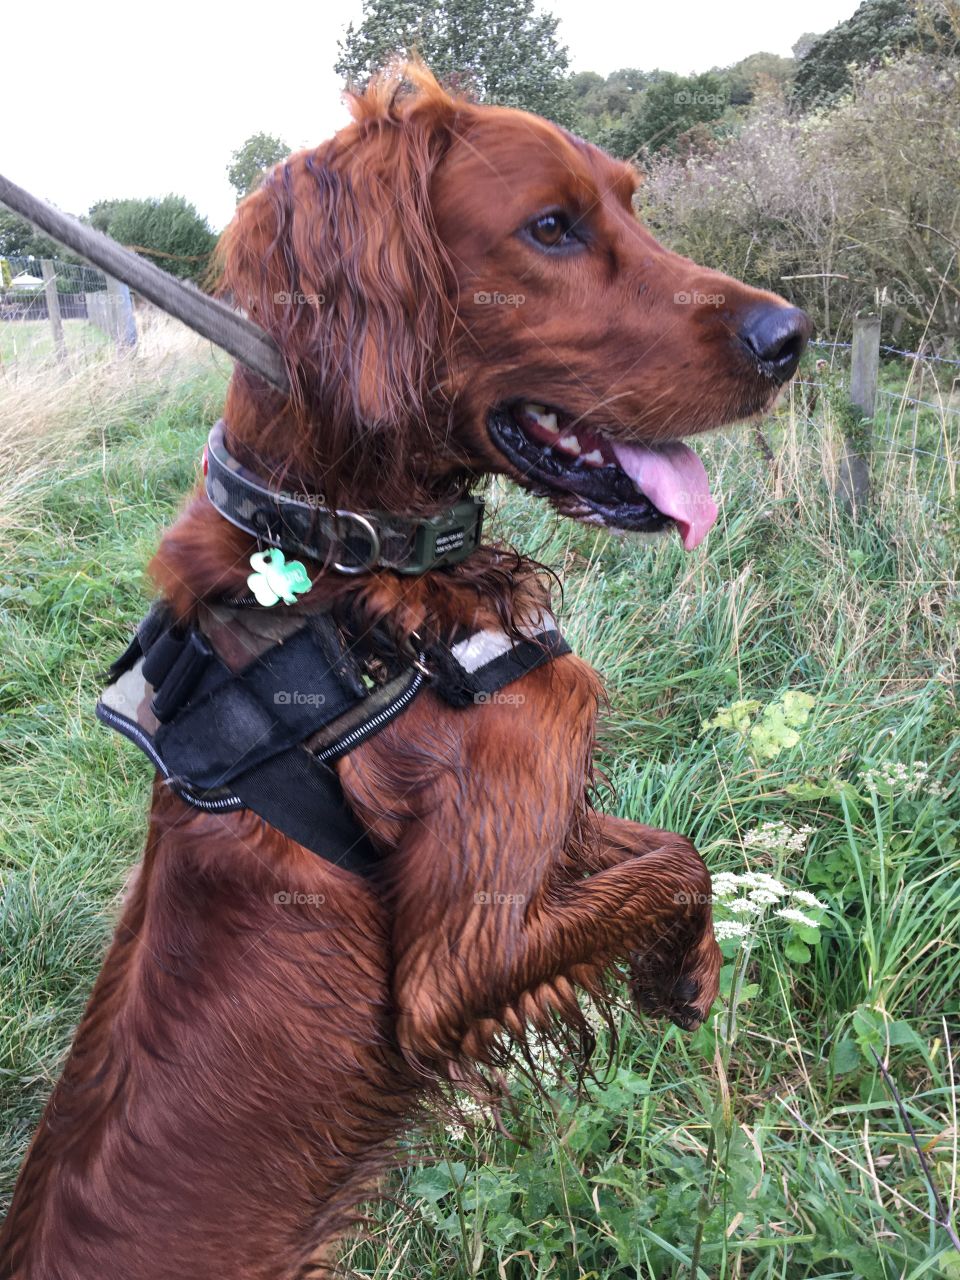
(417, 652)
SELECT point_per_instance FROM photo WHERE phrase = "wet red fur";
(244, 1069)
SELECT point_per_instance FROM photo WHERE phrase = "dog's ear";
(336, 256)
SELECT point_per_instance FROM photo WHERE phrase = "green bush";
(169, 231)
(841, 209)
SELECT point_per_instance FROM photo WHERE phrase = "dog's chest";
(248, 709)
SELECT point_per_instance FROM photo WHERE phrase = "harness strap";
(261, 734)
(226, 740)
(480, 663)
(319, 820)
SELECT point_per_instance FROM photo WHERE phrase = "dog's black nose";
(777, 336)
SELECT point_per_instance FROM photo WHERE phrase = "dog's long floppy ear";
(336, 256)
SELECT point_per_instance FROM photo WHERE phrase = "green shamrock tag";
(275, 580)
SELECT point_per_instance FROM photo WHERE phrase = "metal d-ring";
(417, 649)
(368, 528)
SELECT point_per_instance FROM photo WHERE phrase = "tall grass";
(48, 409)
(764, 1145)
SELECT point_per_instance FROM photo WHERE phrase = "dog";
(457, 291)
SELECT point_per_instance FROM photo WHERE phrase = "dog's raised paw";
(680, 985)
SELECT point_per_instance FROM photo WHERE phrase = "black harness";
(248, 709)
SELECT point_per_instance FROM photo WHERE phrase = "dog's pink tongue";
(675, 481)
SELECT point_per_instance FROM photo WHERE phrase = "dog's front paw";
(679, 982)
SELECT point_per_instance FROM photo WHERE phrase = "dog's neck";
(203, 557)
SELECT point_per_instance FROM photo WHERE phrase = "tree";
(250, 162)
(877, 29)
(498, 51)
(169, 231)
(842, 209)
(20, 239)
(803, 44)
(744, 76)
(669, 107)
(598, 103)
(99, 214)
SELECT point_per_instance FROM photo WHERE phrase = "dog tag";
(273, 579)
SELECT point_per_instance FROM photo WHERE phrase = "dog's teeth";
(569, 444)
(593, 459)
(538, 412)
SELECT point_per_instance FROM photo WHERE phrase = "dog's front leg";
(610, 840)
(664, 978)
(494, 922)
(501, 959)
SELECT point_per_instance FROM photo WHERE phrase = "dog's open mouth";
(591, 476)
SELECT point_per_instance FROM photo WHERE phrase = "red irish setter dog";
(457, 290)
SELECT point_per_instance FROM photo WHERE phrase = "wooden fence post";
(49, 271)
(853, 482)
(125, 329)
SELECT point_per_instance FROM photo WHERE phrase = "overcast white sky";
(141, 100)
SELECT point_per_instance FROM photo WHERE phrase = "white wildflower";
(764, 898)
(594, 1018)
(744, 906)
(724, 884)
(807, 899)
(726, 929)
(797, 917)
(768, 883)
(900, 778)
(470, 1113)
(774, 836)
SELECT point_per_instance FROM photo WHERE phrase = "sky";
(126, 100)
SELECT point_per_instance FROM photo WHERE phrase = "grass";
(31, 342)
(50, 411)
(764, 1145)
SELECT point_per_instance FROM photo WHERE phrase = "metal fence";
(923, 411)
(42, 295)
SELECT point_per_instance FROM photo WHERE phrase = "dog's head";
(461, 289)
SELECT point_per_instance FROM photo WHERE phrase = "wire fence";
(901, 423)
(930, 356)
(54, 310)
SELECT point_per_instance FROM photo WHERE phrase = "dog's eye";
(551, 229)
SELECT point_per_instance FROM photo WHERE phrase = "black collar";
(347, 541)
